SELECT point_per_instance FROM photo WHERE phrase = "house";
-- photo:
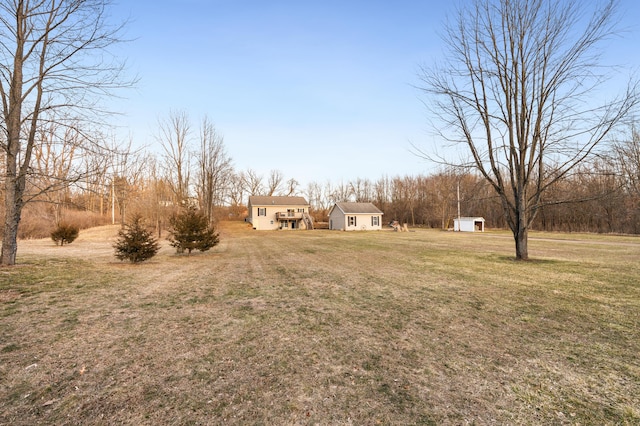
(468, 224)
(266, 213)
(355, 216)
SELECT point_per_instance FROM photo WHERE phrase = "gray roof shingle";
(257, 200)
(358, 208)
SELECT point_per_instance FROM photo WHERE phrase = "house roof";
(358, 208)
(257, 200)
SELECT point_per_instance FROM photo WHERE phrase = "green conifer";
(135, 243)
(190, 230)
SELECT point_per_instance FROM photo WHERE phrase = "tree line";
(195, 169)
(515, 90)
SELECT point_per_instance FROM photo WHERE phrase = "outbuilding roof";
(257, 200)
(358, 208)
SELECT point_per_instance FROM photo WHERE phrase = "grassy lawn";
(324, 327)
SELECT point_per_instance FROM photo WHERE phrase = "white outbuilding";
(355, 217)
(468, 224)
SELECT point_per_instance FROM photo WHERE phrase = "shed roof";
(257, 200)
(358, 208)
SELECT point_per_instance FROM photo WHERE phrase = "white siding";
(269, 222)
(264, 222)
(361, 222)
(468, 224)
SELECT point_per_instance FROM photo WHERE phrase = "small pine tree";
(65, 234)
(191, 230)
(135, 243)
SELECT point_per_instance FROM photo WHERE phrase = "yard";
(324, 327)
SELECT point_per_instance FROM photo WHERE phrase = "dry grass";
(324, 327)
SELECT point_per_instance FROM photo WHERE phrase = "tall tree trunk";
(13, 211)
(521, 237)
(516, 88)
(49, 64)
(13, 122)
(521, 226)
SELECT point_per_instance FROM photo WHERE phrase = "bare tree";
(54, 58)
(517, 91)
(96, 167)
(214, 169)
(174, 137)
(292, 187)
(628, 156)
(127, 173)
(274, 183)
(319, 197)
(54, 157)
(235, 195)
(442, 187)
(362, 190)
(382, 190)
(253, 183)
(406, 195)
(160, 202)
(341, 192)
(314, 195)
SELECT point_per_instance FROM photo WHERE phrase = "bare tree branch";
(55, 62)
(517, 91)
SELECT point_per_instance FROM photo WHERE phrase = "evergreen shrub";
(191, 230)
(135, 243)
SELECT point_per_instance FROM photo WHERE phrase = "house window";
(300, 210)
(351, 220)
(375, 220)
(262, 211)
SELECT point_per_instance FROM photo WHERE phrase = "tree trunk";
(521, 228)
(521, 236)
(13, 211)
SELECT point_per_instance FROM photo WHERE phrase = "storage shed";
(468, 224)
(355, 217)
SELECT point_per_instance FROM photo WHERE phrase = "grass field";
(324, 327)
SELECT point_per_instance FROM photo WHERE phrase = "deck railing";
(288, 215)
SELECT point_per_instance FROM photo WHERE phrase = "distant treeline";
(601, 196)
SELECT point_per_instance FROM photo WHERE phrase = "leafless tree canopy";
(274, 183)
(174, 136)
(517, 89)
(54, 66)
(215, 171)
(628, 155)
(253, 182)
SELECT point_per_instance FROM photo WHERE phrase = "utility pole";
(113, 202)
(458, 206)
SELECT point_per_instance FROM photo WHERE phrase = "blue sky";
(319, 90)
